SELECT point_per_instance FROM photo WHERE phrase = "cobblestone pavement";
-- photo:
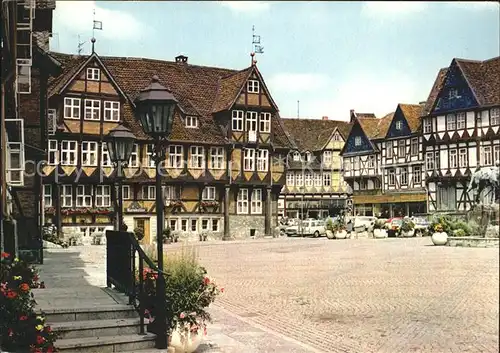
(361, 295)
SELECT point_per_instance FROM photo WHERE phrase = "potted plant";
(203, 236)
(407, 228)
(339, 229)
(329, 228)
(439, 237)
(139, 233)
(379, 229)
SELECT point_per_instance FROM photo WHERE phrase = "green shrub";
(459, 233)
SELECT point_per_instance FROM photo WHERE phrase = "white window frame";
(388, 149)
(169, 192)
(237, 120)
(451, 122)
(53, 152)
(93, 74)
(371, 161)
(103, 196)
(66, 195)
(89, 153)
(404, 176)
(401, 148)
(308, 179)
(327, 179)
(414, 146)
(197, 158)
(69, 149)
(356, 163)
(495, 116)
(256, 204)
(327, 157)
(253, 86)
(126, 192)
(217, 158)
(487, 155)
(148, 192)
(92, 109)
(47, 195)
(357, 141)
(265, 122)
(251, 121)
(84, 195)
(208, 193)
(262, 160)
(460, 120)
(105, 158)
(150, 163)
(296, 156)
(299, 179)
(133, 162)
(72, 108)
(462, 157)
(337, 137)
(111, 111)
(430, 161)
(249, 159)
(191, 122)
(399, 125)
(317, 179)
(453, 158)
(417, 175)
(175, 156)
(427, 125)
(496, 154)
(242, 202)
(391, 180)
(347, 164)
(453, 93)
(290, 179)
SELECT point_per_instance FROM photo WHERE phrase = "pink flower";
(182, 315)
(206, 280)
(222, 290)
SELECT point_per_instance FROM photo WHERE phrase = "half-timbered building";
(314, 183)
(223, 171)
(460, 127)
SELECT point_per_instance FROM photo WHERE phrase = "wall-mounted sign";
(135, 207)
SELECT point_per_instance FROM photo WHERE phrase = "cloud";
(473, 5)
(392, 8)
(297, 82)
(76, 17)
(246, 6)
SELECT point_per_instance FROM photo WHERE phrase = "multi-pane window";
(299, 179)
(414, 146)
(111, 111)
(327, 179)
(347, 164)
(417, 175)
(126, 192)
(290, 179)
(89, 153)
(401, 148)
(256, 204)
(103, 196)
(495, 116)
(496, 154)
(296, 156)
(452, 93)
(47, 195)
(237, 120)
(72, 108)
(249, 159)
(317, 179)
(453, 158)
(404, 176)
(371, 161)
(307, 156)
(337, 137)
(253, 86)
(265, 122)
(194, 225)
(388, 149)
(172, 224)
(427, 125)
(215, 225)
(446, 198)
(392, 177)
(93, 74)
(105, 159)
(68, 152)
(327, 157)
(175, 157)
(148, 192)
(357, 141)
(149, 156)
(191, 121)
(184, 223)
(462, 157)
(66, 195)
(208, 193)
(217, 158)
(170, 192)
(356, 163)
(399, 125)
(486, 155)
(262, 160)
(134, 156)
(84, 195)
(308, 179)
(197, 159)
(53, 152)
(251, 121)
(242, 202)
(451, 122)
(429, 161)
(92, 109)
(461, 120)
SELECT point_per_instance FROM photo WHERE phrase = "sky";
(329, 56)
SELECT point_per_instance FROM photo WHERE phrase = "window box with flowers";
(208, 206)
(173, 205)
(87, 210)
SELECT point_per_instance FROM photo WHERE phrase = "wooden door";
(144, 224)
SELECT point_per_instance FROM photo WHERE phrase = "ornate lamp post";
(120, 142)
(155, 110)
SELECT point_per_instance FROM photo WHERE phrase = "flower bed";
(21, 328)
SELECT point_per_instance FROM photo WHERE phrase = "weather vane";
(256, 47)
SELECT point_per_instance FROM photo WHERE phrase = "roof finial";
(93, 42)
(96, 25)
(252, 61)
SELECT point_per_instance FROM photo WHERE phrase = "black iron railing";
(122, 250)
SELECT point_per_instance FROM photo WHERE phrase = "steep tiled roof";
(313, 134)
(373, 127)
(484, 79)
(229, 88)
(412, 114)
(436, 87)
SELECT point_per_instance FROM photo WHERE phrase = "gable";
(254, 92)
(357, 133)
(398, 119)
(455, 93)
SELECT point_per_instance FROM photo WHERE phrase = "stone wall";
(472, 242)
(240, 225)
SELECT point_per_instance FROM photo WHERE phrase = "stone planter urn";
(379, 233)
(408, 234)
(185, 341)
(329, 234)
(439, 238)
(341, 234)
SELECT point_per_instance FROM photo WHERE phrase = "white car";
(308, 227)
(365, 222)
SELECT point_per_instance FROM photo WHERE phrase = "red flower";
(39, 339)
(10, 332)
(50, 349)
(48, 329)
(11, 294)
(23, 318)
(36, 278)
(24, 287)
(5, 255)
(222, 290)
(206, 280)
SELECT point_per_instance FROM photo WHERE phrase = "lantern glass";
(120, 142)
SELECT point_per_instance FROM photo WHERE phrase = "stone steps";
(106, 344)
(96, 328)
(104, 312)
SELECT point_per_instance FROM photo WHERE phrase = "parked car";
(364, 221)
(422, 225)
(393, 226)
(307, 227)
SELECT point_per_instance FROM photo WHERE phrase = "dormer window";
(357, 141)
(337, 137)
(453, 93)
(253, 86)
(296, 156)
(93, 74)
(308, 157)
(399, 125)
(191, 121)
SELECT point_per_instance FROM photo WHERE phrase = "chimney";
(181, 59)
(324, 118)
(353, 115)
(422, 103)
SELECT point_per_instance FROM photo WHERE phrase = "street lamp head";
(155, 109)
(120, 142)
